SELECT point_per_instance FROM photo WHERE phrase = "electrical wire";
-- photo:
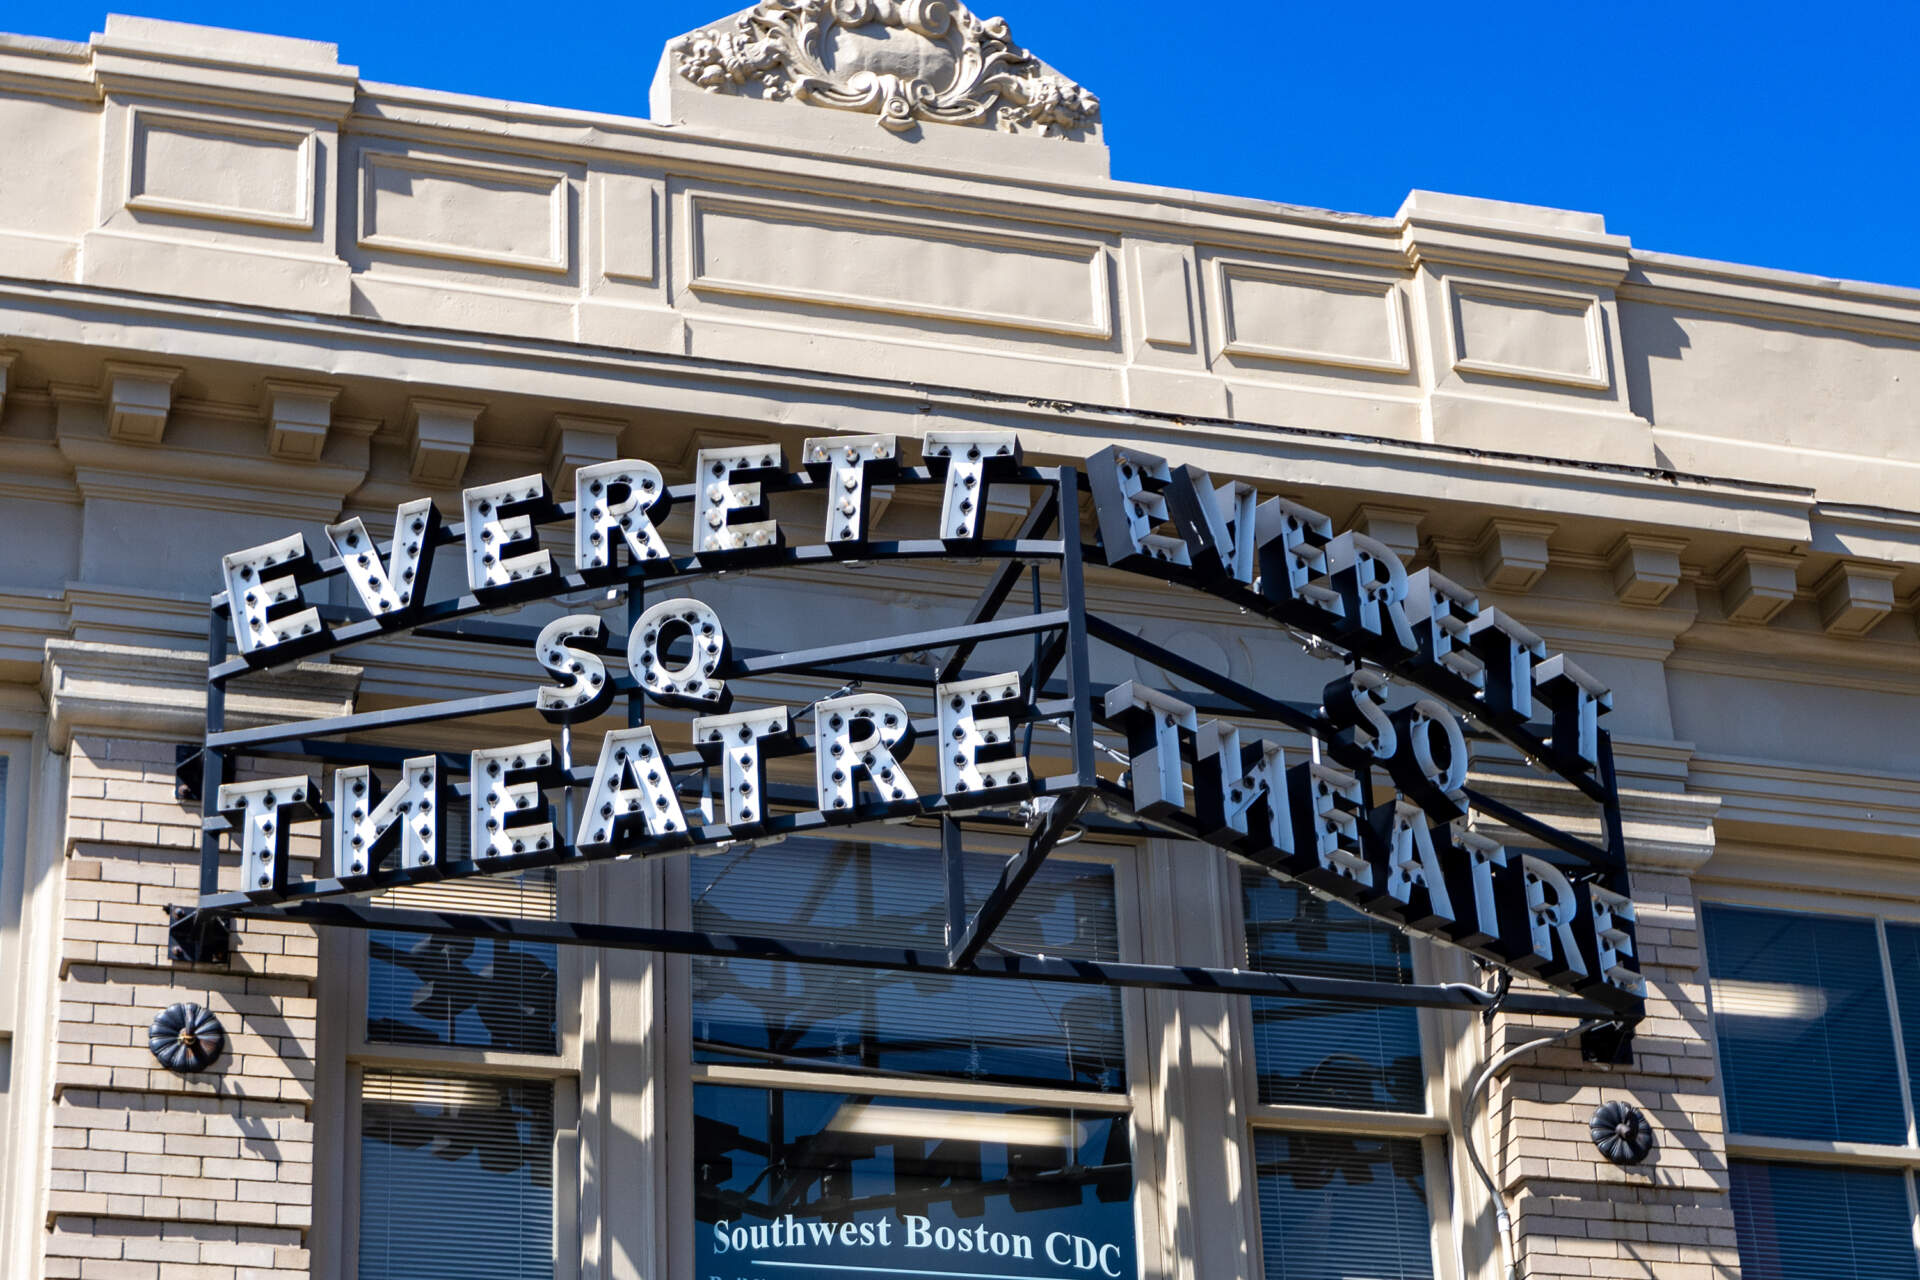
(1503, 1220)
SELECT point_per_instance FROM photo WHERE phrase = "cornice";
(1664, 830)
(115, 688)
(1444, 230)
(174, 476)
(1701, 284)
(604, 380)
(1886, 662)
(1857, 809)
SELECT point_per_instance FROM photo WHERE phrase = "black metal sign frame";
(1057, 690)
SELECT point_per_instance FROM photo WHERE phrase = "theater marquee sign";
(666, 738)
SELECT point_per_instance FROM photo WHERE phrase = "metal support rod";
(1057, 818)
(524, 699)
(953, 863)
(531, 590)
(1001, 584)
(213, 761)
(1017, 874)
(1219, 682)
(1585, 850)
(1073, 593)
(922, 640)
(1007, 966)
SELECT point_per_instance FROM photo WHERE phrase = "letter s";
(720, 1236)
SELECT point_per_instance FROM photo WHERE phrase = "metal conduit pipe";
(1503, 1221)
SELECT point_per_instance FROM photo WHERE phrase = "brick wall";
(151, 1175)
(1576, 1213)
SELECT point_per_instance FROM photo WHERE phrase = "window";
(1816, 1017)
(464, 1069)
(456, 1177)
(11, 875)
(1345, 1143)
(471, 993)
(889, 1123)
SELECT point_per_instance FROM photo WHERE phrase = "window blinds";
(1808, 1222)
(456, 1178)
(1806, 1037)
(803, 1015)
(1340, 1208)
(1329, 1053)
(478, 993)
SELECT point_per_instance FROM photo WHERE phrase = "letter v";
(389, 590)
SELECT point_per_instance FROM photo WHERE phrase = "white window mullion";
(1899, 1041)
(1913, 1213)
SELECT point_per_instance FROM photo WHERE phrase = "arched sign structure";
(1361, 796)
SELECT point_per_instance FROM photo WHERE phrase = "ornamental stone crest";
(904, 61)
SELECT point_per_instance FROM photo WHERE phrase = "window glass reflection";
(472, 993)
(1805, 1222)
(850, 1019)
(1329, 1053)
(815, 1186)
(1334, 1207)
(456, 1178)
(1806, 1039)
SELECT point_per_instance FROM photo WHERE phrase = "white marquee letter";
(389, 590)
(266, 609)
(570, 647)
(969, 461)
(266, 808)
(1373, 584)
(615, 503)
(1550, 906)
(733, 743)
(1237, 787)
(965, 737)
(848, 467)
(1441, 613)
(728, 483)
(366, 827)
(493, 533)
(837, 753)
(508, 814)
(1335, 810)
(1616, 944)
(1411, 861)
(1152, 721)
(694, 684)
(613, 808)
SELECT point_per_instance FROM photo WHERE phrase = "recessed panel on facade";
(207, 167)
(496, 214)
(901, 267)
(1309, 316)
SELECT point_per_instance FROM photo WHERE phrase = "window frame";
(17, 751)
(1434, 1126)
(1134, 1102)
(562, 1069)
(1762, 1149)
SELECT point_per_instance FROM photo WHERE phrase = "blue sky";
(1761, 132)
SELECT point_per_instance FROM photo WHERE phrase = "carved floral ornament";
(905, 61)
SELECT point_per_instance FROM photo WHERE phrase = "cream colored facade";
(244, 292)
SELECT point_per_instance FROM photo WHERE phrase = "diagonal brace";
(1015, 876)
